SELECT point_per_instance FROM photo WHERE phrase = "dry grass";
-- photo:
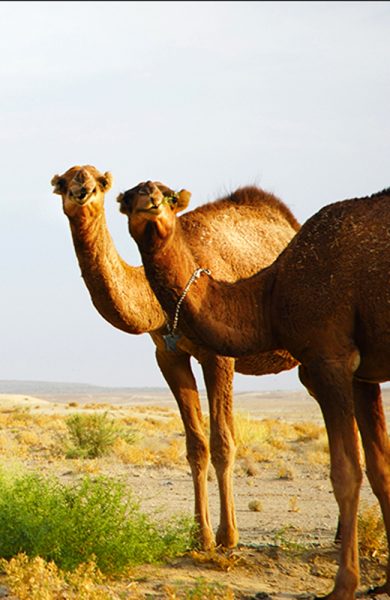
(285, 472)
(202, 590)
(293, 505)
(372, 536)
(223, 560)
(307, 432)
(160, 439)
(36, 579)
(271, 440)
(255, 505)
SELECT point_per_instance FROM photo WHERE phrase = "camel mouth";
(154, 210)
(81, 200)
(81, 195)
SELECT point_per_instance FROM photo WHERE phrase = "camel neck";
(120, 292)
(230, 319)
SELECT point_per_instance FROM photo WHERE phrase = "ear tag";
(171, 340)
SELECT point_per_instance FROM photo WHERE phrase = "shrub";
(93, 435)
(94, 519)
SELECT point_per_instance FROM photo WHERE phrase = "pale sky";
(291, 96)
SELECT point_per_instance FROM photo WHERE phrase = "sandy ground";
(286, 550)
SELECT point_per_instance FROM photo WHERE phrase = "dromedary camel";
(122, 295)
(326, 299)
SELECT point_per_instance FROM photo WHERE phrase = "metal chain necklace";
(171, 338)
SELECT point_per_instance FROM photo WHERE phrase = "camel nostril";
(82, 194)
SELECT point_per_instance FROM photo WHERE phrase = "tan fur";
(326, 300)
(122, 295)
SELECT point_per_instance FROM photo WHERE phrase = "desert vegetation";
(88, 509)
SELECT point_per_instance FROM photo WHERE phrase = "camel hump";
(251, 196)
(254, 196)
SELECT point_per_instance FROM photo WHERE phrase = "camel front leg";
(372, 425)
(218, 374)
(332, 387)
(176, 368)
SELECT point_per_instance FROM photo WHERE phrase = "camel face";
(81, 186)
(146, 197)
(153, 205)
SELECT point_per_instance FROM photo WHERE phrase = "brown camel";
(325, 299)
(122, 295)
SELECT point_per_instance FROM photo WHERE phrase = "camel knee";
(198, 454)
(223, 451)
(346, 481)
(379, 479)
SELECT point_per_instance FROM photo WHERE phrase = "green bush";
(93, 435)
(94, 519)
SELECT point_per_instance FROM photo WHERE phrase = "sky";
(291, 96)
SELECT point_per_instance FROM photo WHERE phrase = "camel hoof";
(227, 539)
(206, 544)
(204, 540)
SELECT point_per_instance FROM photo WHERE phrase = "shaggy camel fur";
(122, 295)
(326, 299)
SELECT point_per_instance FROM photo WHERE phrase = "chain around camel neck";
(195, 275)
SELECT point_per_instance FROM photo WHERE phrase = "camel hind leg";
(304, 380)
(372, 425)
(218, 373)
(331, 383)
(176, 368)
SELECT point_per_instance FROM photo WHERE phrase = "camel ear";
(183, 200)
(105, 181)
(59, 184)
(123, 200)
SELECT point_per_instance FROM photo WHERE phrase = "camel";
(325, 299)
(122, 295)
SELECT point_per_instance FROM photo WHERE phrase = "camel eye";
(70, 193)
(94, 190)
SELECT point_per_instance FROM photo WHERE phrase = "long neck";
(231, 319)
(120, 293)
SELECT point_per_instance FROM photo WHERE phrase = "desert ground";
(286, 511)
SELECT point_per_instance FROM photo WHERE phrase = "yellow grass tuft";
(308, 431)
(29, 438)
(293, 505)
(372, 535)
(36, 579)
(131, 454)
(249, 431)
(285, 472)
(255, 505)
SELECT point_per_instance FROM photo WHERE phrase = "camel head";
(151, 209)
(81, 186)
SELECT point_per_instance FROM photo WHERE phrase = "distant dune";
(11, 386)
(288, 405)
